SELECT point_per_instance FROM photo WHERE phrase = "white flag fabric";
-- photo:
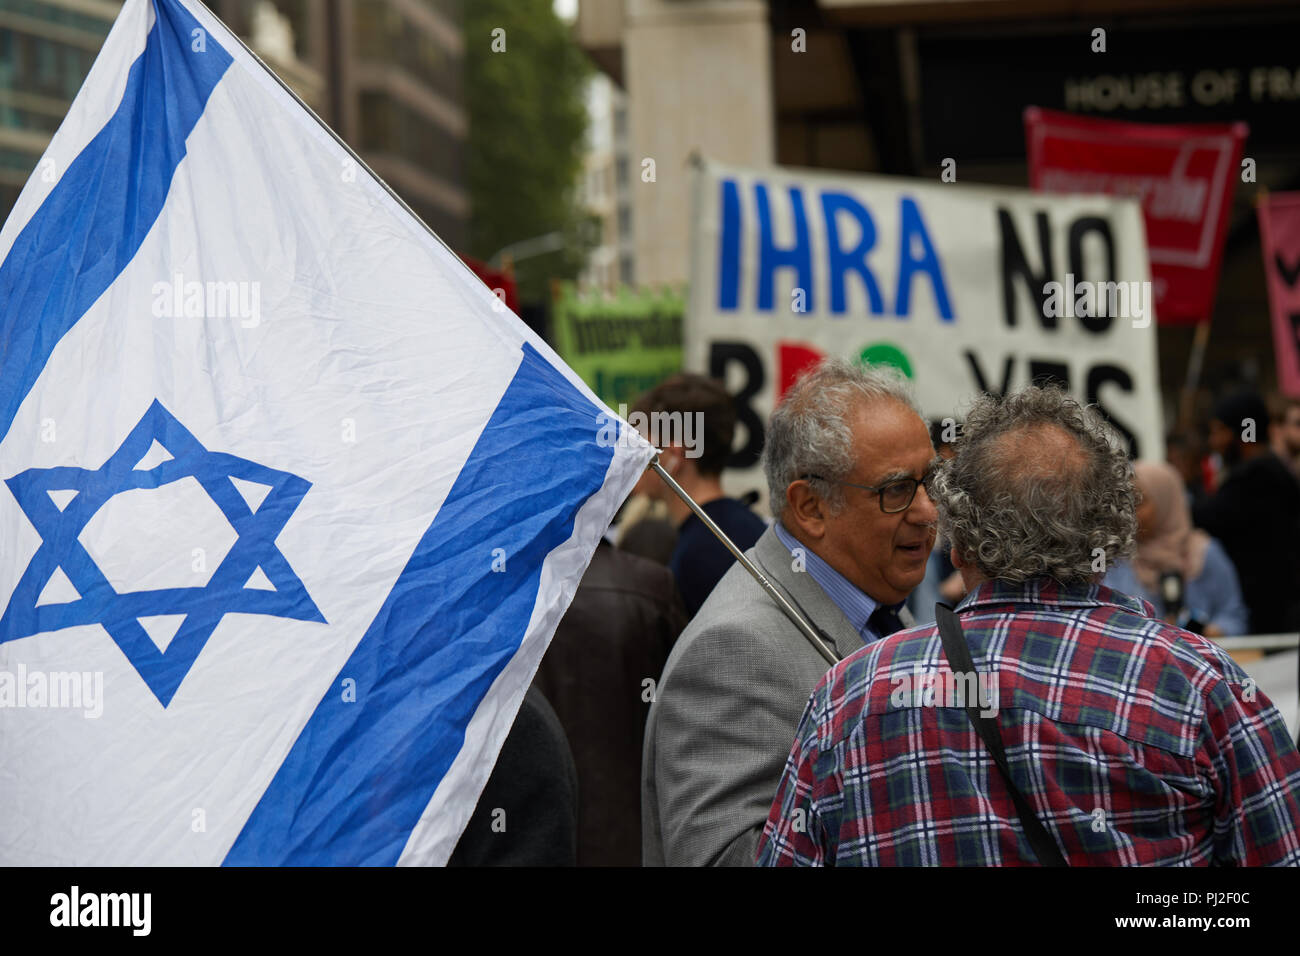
(292, 504)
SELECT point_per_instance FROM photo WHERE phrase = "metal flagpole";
(799, 621)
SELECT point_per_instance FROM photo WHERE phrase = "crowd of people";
(1073, 710)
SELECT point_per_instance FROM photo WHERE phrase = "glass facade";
(58, 15)
(385, 35)
(46, 50)
(404, 51)
(389, 126)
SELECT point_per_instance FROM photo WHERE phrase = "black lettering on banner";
(1295, 328)
(1078, 229)
(1289, 274)
(1100, 375)
(607, 334)
(721, 354)
(981, 383)
(1045, 374)
(1016, 266)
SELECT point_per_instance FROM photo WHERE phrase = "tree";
(525, 96)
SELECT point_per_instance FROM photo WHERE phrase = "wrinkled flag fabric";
(292, 504)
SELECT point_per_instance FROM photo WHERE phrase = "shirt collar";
(1050, 592)
(857, 605)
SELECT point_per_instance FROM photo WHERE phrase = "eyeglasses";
(893, 496)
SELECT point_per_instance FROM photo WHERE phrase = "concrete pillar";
(698, 77)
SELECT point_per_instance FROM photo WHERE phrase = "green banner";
(620, 344)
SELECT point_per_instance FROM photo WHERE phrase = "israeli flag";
(291, 503)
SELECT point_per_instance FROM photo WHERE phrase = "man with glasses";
(847, 461)
(1051, 719)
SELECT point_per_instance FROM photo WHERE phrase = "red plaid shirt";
(1136, 742)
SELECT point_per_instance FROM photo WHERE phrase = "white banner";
(966, 288)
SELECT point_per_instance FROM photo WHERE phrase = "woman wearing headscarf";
(1181, 570)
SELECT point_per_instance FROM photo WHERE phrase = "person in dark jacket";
(1255, 513)
(693, 420)
(652, 538)
(600, 674)
(528, 813)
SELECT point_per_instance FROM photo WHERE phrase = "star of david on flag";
(201, 607)
(278, 470)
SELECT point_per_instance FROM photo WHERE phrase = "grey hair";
(810, 431)
(1038, 485)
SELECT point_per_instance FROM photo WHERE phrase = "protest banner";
(500, 281)
(1279, 230)
(1184, 176)
(964, 288)
(621, 344)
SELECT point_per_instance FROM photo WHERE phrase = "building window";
(390, 126)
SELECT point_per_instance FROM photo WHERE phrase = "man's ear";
(953, 556)
(672, 458)
(805, 509)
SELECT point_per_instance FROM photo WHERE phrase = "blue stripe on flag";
(93, 221)
(360, 774)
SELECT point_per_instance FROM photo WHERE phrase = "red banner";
(1183, 175)
(1279, 230)
(501, 283)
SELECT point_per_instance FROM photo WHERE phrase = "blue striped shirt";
(857, 605)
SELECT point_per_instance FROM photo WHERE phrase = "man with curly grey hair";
(1127, 741)
(847, 462)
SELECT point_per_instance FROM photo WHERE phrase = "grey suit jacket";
(725, 714)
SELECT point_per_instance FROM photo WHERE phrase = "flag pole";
(810, 631)
(1195, 362)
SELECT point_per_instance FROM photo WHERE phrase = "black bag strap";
(957, 651)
